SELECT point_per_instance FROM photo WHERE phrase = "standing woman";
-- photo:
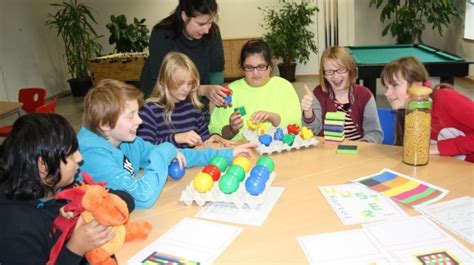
(191, 30)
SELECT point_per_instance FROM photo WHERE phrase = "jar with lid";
(416, 136)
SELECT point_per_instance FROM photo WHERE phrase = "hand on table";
(190, 138)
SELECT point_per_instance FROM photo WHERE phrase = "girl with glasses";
(270, 100)
(338, 92)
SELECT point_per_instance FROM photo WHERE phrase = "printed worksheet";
(346, 247)
(402, 188)
(191, 239)
(417, 240)
(355, 204)
(456, 215)
(228, 212)
(405, 240)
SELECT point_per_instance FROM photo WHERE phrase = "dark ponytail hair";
(36, 135)
(191, 8)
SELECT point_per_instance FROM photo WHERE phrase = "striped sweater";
(184, 118)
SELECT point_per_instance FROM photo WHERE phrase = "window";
(469, 20)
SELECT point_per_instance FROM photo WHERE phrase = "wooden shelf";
(232, 48)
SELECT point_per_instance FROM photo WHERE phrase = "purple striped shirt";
(184, 118)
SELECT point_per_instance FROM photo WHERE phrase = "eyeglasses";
(260, 67)
(332, 72)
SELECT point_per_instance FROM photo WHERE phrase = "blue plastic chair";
(387, 121)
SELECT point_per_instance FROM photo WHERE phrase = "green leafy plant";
(287, 32)
(73, 22)
(407, 18)
(128, 38)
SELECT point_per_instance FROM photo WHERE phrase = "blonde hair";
(342, 57)
(161, 95)
(105, 102)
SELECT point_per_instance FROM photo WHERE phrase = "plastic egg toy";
(289, 139)
(237, 171)
(203, 182)
(267, 162)
(306, 133)
(278, 135)
(212, 170)
(293, 129)
(261, 172)
(251, 125)
(265, 139)
(254, 186)
(219, 162)
(228, 183)
(174, 171)
(243, 162)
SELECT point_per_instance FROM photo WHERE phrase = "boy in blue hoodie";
(113, 153)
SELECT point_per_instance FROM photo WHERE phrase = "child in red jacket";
(452, 114)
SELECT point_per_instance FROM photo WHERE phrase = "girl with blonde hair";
(338, 92)
(173, 113)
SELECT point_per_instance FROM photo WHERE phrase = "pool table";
(370, 61)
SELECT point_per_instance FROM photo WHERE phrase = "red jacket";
(452, 116)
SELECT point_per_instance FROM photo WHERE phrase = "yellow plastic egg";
(306, 133)
(243, 162)
(203, 182)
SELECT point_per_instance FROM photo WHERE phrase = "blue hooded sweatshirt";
(120, 167)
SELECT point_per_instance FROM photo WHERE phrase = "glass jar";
(416, 136)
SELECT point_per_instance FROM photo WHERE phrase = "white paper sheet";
(191, 239)
(355, 204)
(228, 212)
(456, 215)
(346, 247)
(409, 238)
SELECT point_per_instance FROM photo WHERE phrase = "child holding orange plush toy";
(39, 157)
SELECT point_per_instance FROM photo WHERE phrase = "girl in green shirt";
(267, 99)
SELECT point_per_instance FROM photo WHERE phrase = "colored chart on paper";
(407, 190)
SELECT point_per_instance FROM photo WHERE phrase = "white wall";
(32, 55)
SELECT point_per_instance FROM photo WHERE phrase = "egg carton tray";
(277, 146)
(239, 198)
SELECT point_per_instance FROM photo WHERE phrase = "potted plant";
(410, 17)
(73, 22)
(288, 35)
(128, 38)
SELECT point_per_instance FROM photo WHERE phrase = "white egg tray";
(277, 146)
(239, 198)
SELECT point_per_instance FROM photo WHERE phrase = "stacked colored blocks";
(228, 98)
(333, 129)
(241, 110)
(237, 184)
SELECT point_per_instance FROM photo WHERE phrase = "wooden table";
(302, 209)
(9, 108)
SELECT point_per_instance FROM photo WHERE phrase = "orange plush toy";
(92, 201)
